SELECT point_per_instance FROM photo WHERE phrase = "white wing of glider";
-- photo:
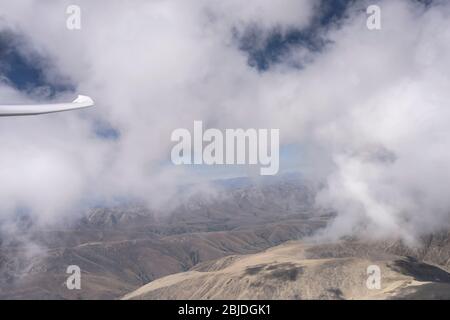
(33, 109)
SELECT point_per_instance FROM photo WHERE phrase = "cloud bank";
(368, 108)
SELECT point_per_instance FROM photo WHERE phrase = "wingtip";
(85, 100)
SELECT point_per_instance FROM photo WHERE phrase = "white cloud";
(153, 66)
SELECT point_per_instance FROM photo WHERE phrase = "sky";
(362, 110)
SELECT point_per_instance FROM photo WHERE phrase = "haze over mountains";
(228, 243)
(119, 249)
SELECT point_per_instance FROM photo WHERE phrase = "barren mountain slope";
(121, 249)
(295, 270)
